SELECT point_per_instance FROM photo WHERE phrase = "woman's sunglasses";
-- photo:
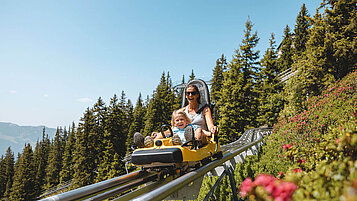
(192, 93)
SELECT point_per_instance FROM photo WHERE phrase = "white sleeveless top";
(197, 119)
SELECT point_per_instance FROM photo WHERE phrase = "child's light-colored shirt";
(181, 132)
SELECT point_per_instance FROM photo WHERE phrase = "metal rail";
(156, 189)
(101, 186)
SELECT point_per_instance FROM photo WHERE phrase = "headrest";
(203, 90)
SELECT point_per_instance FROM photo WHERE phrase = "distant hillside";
(16, 136)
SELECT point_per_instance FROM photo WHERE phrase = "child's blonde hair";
(178, 113)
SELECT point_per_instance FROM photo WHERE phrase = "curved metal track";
(154, 187)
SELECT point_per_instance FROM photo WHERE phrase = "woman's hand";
(214, 130)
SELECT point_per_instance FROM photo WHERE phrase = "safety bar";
(166, 190)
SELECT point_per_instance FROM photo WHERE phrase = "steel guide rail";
(156, 189)
(99, 187)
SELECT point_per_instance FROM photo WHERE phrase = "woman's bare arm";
(209, 121)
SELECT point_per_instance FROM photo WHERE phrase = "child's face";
(180, 122)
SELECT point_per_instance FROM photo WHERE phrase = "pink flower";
(280, 174)
(322, 125)
(266, 181)
(337, 141)
(287, 146)
(297, 170)
(246, 187)
(284, 191)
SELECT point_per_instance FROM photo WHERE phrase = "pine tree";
(24, 177)
(67, 158)
(238, 101)
(285, 50)
(85, 151)
(100, 113)
(116, 131)
(7, 173)
(192, 76)
(111, 166)
(269, 87)
(125, 115)
(137, 125)
(2, 176)
(54, 163)
(37, 163)
(341, 37)
(294, 91)
(160, 107)
(217, 83)
(301, 33)
(329, 54)
(41, 153)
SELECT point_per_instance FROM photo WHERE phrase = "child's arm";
(158, 135)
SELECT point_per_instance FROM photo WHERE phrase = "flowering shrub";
(267, 187)
(315, 149)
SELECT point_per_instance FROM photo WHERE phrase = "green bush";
(315, 149)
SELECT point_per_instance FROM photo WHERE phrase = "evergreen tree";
(301, 33)
(2, 176)
(137, 125)
(100, 113)
(111, 166)
(160, 107)
(125, 117)
(115, 136)
(238, 101)
(217, 82)
(341, 37)
(330, 44)
(127, 114)
(85, 151)
(67, 158)
(54, 163)
(24, 177)
(7, 173)
(192, 76)
(285, 50)
(269, 87)
(41, 153)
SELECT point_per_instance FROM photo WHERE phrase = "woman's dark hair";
(196, 89)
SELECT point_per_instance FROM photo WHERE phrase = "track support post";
(230, 171)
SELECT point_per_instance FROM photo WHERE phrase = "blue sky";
(58, 57)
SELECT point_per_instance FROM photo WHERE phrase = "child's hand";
(153, 135)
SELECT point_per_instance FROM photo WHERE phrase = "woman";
(199, 116)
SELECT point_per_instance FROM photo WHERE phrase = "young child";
(180, 129)
(180, 122)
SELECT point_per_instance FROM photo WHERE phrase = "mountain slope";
(16, 136)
